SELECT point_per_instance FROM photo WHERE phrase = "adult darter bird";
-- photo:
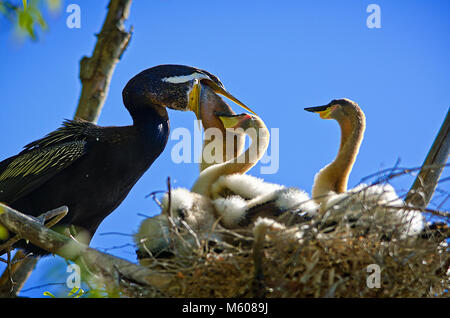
(91, 169)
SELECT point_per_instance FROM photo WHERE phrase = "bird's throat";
(333, 178)
(240, 164)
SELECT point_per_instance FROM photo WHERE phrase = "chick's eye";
(181, 213)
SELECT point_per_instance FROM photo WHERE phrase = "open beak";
(194, 96)
(324, 111)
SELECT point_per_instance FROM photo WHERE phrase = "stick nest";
(272, 259)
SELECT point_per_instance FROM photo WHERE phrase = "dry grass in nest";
(333, 264)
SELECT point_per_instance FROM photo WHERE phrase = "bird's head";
(243, 121)
(336, 109)
(174, 86)
(346, 112)
(172, 232)
(252, 126)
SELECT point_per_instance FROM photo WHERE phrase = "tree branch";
(107, 269)
(20, 267)
(96, 71)
(426, 181)
(17, 273)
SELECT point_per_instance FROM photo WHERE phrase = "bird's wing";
(29, 170)
(41, 160)
(71, 130)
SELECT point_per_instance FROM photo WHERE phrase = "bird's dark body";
(112, 160)
(91, 169)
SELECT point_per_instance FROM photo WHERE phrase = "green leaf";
(54, 5)
(4, 234)
(37, 16)
(29, 18)
(76, 292)
(49, 294)
(25, 21)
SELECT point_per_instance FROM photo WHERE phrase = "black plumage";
(91, 169)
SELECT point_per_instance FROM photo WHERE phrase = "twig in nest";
(258, 287)
(153, 196)
(169, 193)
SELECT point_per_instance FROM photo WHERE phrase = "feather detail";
(71, 130)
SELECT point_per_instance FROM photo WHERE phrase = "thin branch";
(104, 267)
(53, 215)
(21, 266)
(16, 274)
(426, 181)
(96, 71)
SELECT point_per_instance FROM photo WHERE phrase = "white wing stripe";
(184, 78)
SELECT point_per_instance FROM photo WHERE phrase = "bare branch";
(96, 71)
(16, 274)
(108, 270)
(426, 181)
(21, 266)
(53, 215)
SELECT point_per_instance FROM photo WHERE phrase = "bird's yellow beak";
(324, 111)
(194, 96)
(233, 121)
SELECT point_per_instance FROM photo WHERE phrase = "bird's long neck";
(241, 164)
(151, 124)
(211, 104)
(145, 114)
(333, 178)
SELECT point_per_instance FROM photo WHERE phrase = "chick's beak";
(234, 121)
(323, 111)
(194, 96)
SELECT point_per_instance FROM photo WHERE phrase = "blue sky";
(277, 57)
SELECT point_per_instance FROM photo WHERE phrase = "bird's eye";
(181, 213)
